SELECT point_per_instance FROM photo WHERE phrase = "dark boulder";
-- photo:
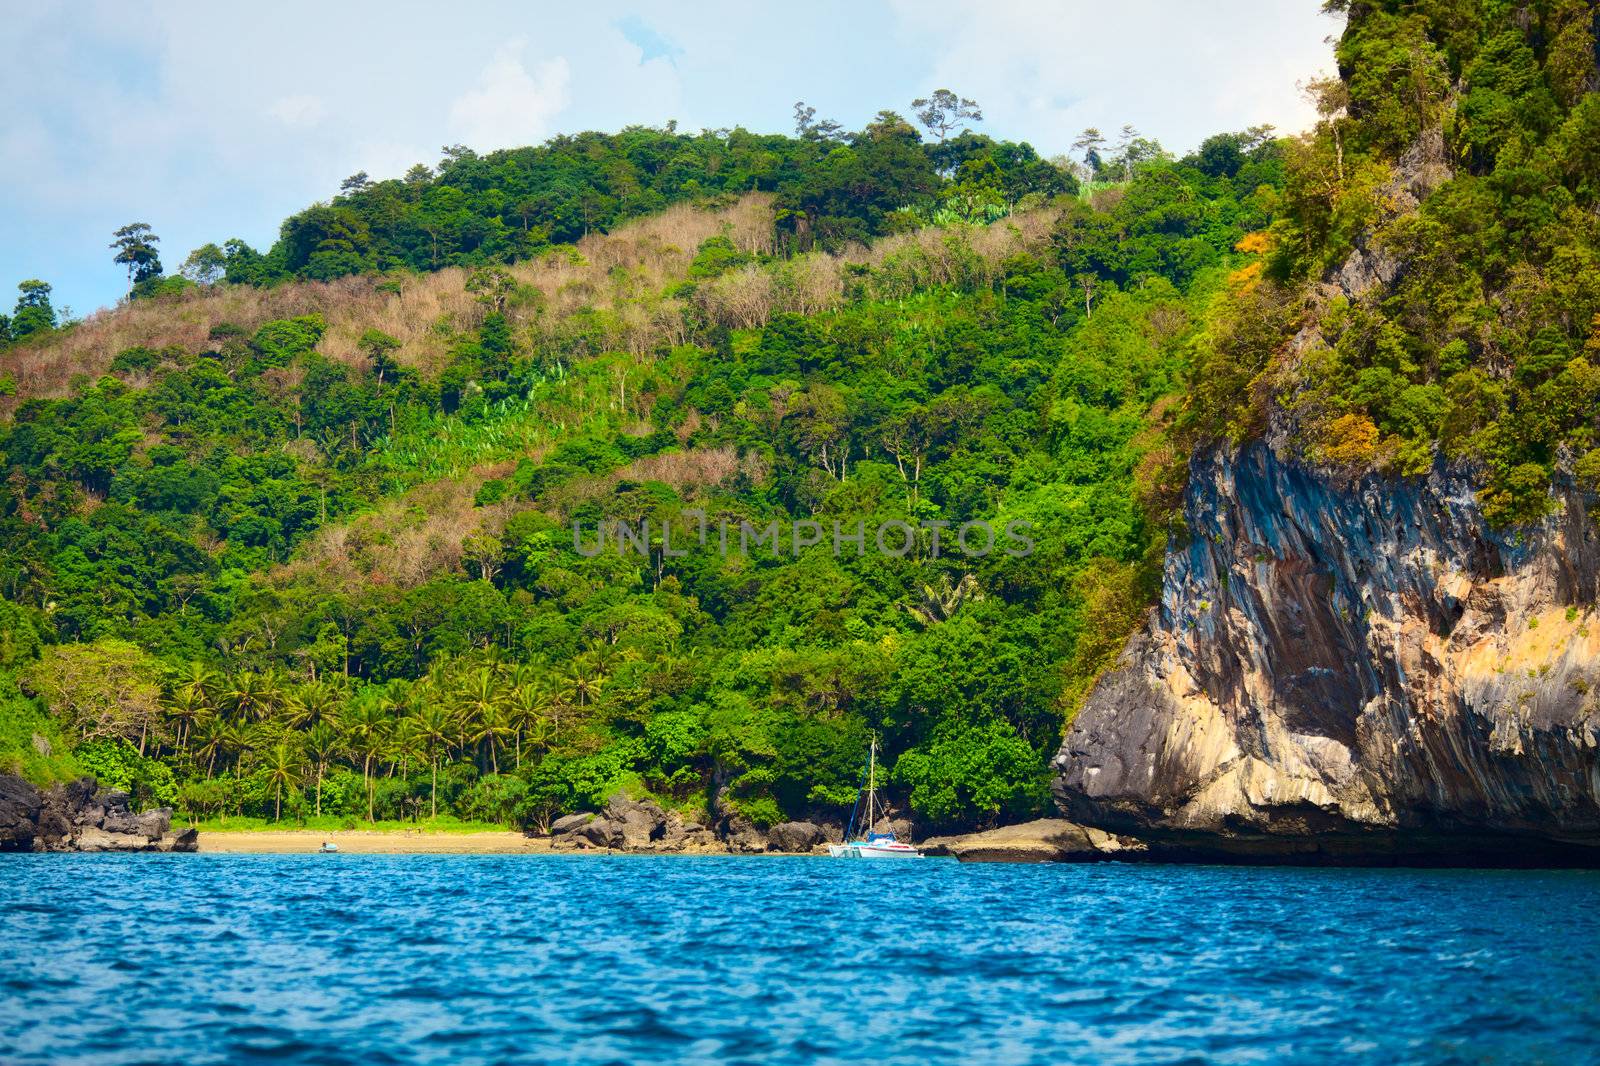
(794, 836)
(602, 833)
(20, 804)
(741, 834)
(903, 829)
(571, 823)
(77, 816)
(153, 825)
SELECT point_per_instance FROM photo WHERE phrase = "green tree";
(943, 112)
(435, 732)
(206, 265)
(33, 313)
(110, 688)
(379, 349)
(321, 741)
(135, 245)
(282, 768)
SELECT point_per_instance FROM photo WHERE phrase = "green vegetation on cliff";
(1450, 193)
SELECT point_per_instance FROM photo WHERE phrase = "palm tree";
(366, 725)
(212, 734)
(320, 742)
(199, 681)
(273, 687)
(184, 709)
(433, 729)
(527, 713)
(248, 693)
(281, 766)
(309, 703)
(483, 704)
(582, 681)
(238, 739)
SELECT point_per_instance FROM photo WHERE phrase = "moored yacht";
(870, 845)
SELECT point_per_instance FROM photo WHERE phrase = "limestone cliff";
(1353, 670)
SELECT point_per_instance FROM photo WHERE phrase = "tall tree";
(944, 112)
(320, 743)
(135, 245)
(809, 127)
(1090, 143)
(435, 731)
(281, 767)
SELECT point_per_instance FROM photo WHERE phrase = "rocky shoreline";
(644, 827)
(81, 816)
(626, 824)
(1043, 840)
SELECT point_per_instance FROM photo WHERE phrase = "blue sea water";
(587, 959)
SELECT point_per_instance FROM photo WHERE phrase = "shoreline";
(414, 842)
(369, 842)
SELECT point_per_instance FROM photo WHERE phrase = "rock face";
(79, 816)
(1358, 671)
(1044, 840)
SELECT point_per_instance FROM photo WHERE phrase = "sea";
(193, 959)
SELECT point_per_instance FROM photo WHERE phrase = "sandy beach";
(370, 842)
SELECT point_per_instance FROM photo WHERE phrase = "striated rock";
(54, 829)
(692, 838)
(643, 825)
(794, 836)
(632, 825)
(153, 825)
(186, 841)
(92, 839)
(1044, 840)
(1353, 671)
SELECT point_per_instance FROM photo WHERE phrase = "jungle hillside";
(289, 533)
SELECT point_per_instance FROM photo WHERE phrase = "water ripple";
(430, 959)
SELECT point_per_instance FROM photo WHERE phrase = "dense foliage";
(508, 205)
(248, 577)
(1465, 326)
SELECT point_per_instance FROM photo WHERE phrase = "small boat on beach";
(327, 848)
(868, 844)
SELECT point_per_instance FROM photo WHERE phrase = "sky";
(211, 121)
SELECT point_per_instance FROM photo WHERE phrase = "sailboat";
(870, 845)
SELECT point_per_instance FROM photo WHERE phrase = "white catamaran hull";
(873, 851)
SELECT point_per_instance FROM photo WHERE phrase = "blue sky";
(211, 122)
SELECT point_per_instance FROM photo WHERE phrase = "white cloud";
(298, 111)
(215, 120)
(1179, 71)
(510, 105)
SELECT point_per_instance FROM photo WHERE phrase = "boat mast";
(872, 784)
